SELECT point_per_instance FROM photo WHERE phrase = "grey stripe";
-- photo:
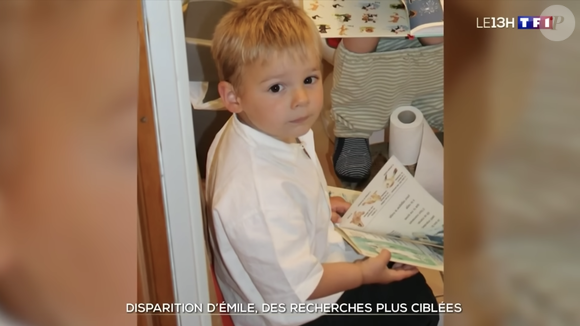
(391, 44)
(367, 87)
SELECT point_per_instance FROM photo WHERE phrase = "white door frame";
(165, 37)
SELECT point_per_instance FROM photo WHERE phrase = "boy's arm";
(337, 277)
(277, 256)
(274, 248)
(280, 249)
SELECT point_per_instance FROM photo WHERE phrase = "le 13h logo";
(556, 22)
(523, 22)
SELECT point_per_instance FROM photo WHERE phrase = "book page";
(348, 195)
(353, 18)
(401, 252)
(425, 13)
(394, 204)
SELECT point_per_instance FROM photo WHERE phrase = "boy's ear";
(229, 97)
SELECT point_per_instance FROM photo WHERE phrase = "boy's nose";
(300, 97)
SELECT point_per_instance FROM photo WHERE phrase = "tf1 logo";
(539, 22)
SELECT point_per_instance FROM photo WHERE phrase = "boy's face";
(281, 97)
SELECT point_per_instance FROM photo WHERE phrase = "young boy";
(271, 231)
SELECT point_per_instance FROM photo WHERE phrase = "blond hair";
(257, 29)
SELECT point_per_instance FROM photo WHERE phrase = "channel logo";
(556, 23)
(539, 22)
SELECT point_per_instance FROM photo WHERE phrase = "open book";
(394, 212)
(379, 18)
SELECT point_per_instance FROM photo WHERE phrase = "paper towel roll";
(405, 134)
(429, 172)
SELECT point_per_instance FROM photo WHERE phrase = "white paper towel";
(405, 134)
(429, 171)
(412, 141)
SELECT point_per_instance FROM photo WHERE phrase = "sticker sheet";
(352, 18)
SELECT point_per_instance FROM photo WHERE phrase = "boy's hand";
(375, 270)
(339, 206)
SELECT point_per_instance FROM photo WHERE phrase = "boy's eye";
(276, 88)
(309, 80)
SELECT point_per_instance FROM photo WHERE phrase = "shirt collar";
(259, 139)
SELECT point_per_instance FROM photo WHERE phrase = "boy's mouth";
(300, 120)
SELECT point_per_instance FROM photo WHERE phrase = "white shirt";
(271, 216)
